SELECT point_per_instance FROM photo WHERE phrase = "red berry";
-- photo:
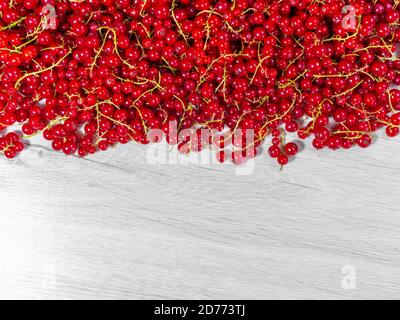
(365, 141)
(291, 149)
(283, 160)
(10, 153)
(12, 138)
(274, 151)
(392, 131)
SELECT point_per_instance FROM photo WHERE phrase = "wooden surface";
(114, 226)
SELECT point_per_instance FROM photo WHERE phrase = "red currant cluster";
(280, 149)
(10, 145)
(110, 71)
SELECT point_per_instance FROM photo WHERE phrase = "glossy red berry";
(291, 149)
(283, 160)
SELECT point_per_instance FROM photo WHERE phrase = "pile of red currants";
(111, 71)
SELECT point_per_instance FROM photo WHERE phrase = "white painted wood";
(114, 226)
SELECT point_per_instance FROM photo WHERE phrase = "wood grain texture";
(115, 227)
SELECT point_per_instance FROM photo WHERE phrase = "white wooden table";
(114, 226)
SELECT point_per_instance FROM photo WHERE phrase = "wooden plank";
(114, 226)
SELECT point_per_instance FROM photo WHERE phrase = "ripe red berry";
(283, 160)
(291, 149)
(12, 138)
(365, 141)
(392, 131)
(274, 151)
